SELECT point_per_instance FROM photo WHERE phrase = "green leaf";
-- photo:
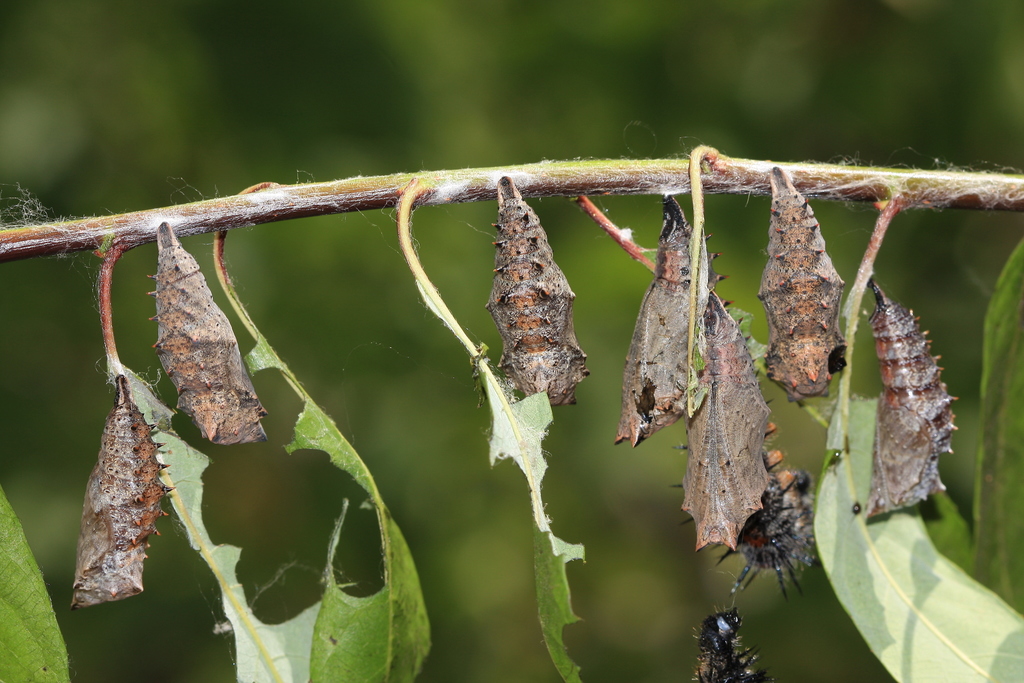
(516, 432)
(756, 348)
(31, 647)
(382, 637)
(948, 530)
(517, 429)
(998, 503)
(922, 616)
(349, 628)
(263, 653)
(550, 555)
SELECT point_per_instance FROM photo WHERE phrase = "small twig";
(220, 267)
(853, 301)
(699, 291)
(867, 264)
(410, 195)
(635, 251)
(110, 258)
(406, 202)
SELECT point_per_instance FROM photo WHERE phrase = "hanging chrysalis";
(725, 473)
(122, 502)
(722, 658)
(199, 351)
(780, 535)
(531, 304)
(800, 290)
(654, 380)
(915, 421)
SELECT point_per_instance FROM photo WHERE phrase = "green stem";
(236, 303)
(699, 292)
(935, 189)
(226, 588)
(366, 479)
(413, 192)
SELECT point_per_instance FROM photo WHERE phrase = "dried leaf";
(780, 535)
(531, 304)
(654, 380)
(800, 290)
(915, 421)
(725, 474)
(263, 653)
(199, 351)
(722, 658)
(122, 502)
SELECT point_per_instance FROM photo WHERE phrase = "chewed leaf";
(315, 430)
(520, 438)
(550, 555)
(276, 654)
(385, 636)
(516, 432)
(382, 637)
(33, 649)
(922, 616)
(352, 633)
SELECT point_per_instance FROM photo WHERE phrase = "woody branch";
(720, 175)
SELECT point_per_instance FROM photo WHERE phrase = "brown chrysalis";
(122, 502)
(915, 421)
(199, 351)
(531, 304)
(722, 658)
(654, 380)
(725, 473)
(780, 535)
(800, 290)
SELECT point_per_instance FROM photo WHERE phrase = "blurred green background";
(109, 106)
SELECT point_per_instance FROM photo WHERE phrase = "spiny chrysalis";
(531, 304)
(780, 535)
(725, 473)
(654, 380)
(722, 658)
(199, 351)
(915, 421)
(122, 502)
(800, 290)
